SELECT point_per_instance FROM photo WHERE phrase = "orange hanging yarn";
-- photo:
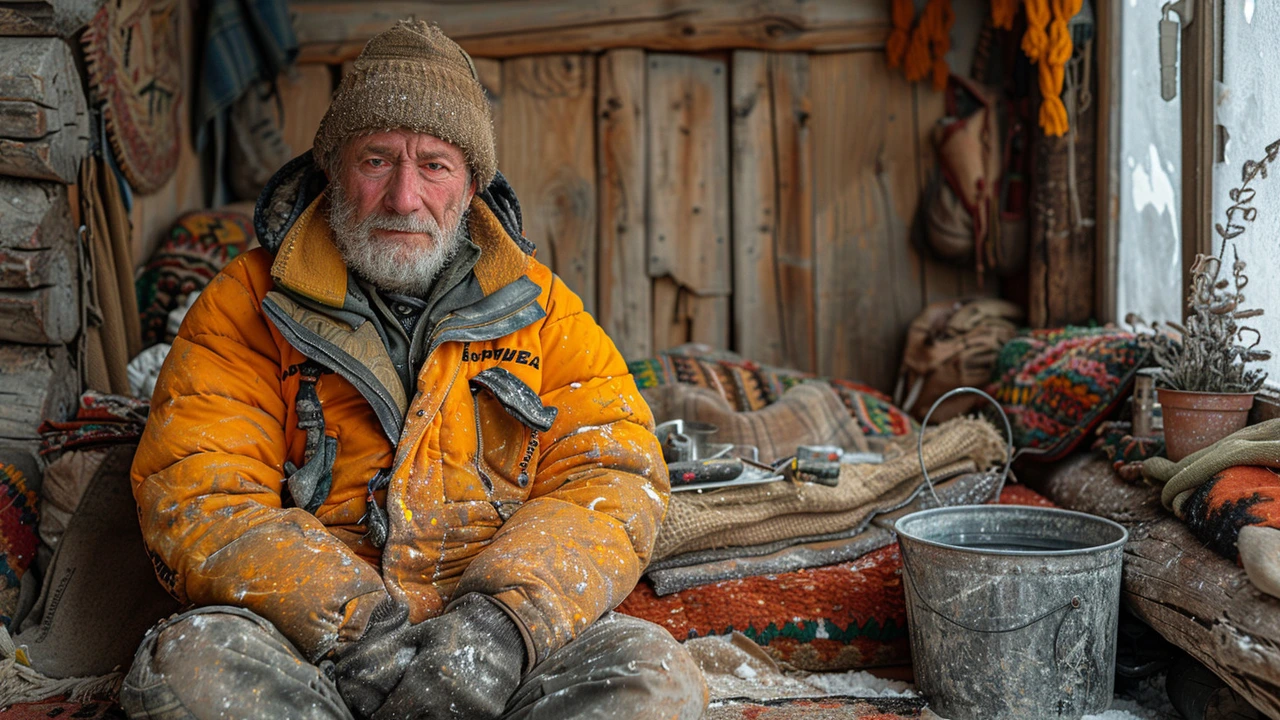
(930, 42)
(1053, 114)
(1035, 41)
(1002, 13)
(943, 20)
(896, 46)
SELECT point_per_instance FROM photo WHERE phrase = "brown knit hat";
(413, 77)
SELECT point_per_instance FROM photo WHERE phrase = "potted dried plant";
(1204, 383)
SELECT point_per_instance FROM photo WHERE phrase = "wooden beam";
(305, 91)
(625, 308)
(38, 273)
(1107, 42)
(63, 18)
(1199, 64)
(40, 85)
(1062, 262)
(490, 72)
(688, 195)
(773, 209)
(1195, 598)
(867, 275)
(334, 31)
(549, 158)
(36, 384)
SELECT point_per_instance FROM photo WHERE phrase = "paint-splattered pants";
(225, 662)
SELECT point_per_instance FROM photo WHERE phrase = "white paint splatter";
(1153, 188)
(1248, 11)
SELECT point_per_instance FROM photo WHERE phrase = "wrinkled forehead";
(400, 143)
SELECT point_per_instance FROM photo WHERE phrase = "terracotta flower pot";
(1195, 420)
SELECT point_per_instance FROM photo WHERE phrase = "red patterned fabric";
(837, 617)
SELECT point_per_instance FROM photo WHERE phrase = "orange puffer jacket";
(555, 523)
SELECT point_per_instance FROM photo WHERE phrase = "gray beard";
(377, 264)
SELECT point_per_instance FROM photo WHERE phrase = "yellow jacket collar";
(308, 262)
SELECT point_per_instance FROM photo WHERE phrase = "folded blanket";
(687, 570)
(1254, 445)
(771, 512)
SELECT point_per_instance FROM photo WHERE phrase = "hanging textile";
(112, 328)
(904, 12)
(923, 52)
(1002, 13)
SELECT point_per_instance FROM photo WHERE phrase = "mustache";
(400, 223)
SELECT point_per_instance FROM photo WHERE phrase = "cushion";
(835, 617)
(198, 245)
(18, 539)
(1056, 385)
(1234, 498)
(750, 386)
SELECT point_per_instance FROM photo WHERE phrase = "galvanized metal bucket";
(1012, 611)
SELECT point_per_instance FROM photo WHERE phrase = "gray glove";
(368, 669)
(468, 665)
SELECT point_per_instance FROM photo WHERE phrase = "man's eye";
(376, 162)
(434, 166)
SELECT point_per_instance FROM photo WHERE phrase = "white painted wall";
(1249, 109)
(1149, 245)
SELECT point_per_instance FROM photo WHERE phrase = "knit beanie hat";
(412, 76)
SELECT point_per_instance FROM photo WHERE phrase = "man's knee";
(662, 668)
(195, 664)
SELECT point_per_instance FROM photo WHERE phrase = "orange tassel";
(896, 46)
(1053, 114)
(917, 62)
(927, 50)
(1002, 13)
(1035, 41)
(941, 32)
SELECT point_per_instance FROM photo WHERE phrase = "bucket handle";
(1008, 429)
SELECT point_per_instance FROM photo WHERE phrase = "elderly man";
(393, 465)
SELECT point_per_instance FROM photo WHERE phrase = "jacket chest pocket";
(509, 417)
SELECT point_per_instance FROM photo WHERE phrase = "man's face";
(397, 201)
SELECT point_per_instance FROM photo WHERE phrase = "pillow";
(749, 386)
(1056, 385)
(18, 539)
(198, 245)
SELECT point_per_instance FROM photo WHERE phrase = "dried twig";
(1210, 352)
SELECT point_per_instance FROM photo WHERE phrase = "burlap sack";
(759, 514)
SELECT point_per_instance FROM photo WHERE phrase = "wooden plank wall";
(753, 200)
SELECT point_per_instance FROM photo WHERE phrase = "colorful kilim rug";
(18, 540)
(198, 246)
(1117, 443)
(836, 617)
(100, 420)
(749, 386)
(1057, 385)
(1236, 497)
(819, 709)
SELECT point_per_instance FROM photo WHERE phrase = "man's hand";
(468, 665)
(368, 669)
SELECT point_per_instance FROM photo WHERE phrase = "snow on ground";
(860, 684)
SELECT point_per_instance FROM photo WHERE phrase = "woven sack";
(952, 344)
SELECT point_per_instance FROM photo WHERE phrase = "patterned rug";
(820, 709)
(1057, 385)
(836, 617)
(18, 539)
(1236, 497)
(198, 245)
(749, 386)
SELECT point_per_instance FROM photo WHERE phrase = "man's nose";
(402, 196)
